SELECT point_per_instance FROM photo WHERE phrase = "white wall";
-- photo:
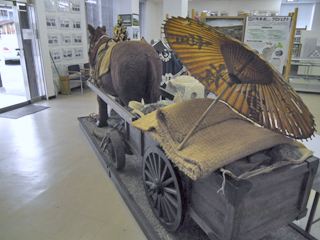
(316, 18)
(44, 46)
(234, 6)
(305, 13)
(153, 20)
(176, 8)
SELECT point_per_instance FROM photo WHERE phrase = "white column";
(175, 8)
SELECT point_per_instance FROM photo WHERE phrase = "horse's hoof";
(101, 124)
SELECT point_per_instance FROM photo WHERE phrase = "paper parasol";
(240, 76)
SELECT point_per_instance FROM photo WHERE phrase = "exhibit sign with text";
(270, 36)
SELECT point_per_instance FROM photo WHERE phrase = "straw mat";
(223, 137)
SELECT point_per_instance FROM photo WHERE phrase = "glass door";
(20, 58)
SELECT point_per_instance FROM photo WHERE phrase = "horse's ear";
(104, 28)
(91, 29)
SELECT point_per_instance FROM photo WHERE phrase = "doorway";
(20, 63)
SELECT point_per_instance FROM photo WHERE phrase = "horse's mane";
(97, 38)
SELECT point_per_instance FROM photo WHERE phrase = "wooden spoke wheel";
(116, 150)
(163, 187)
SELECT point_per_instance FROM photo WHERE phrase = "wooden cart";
(249, 209)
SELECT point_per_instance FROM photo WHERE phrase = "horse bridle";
(96, 46)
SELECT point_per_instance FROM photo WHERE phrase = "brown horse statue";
(134, 70)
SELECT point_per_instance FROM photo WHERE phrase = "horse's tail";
(154, 79)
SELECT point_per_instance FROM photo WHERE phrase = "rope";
(223, 183)
(93, 117)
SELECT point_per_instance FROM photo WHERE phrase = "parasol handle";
(203, 116)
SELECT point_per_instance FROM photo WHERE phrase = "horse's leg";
(103, 113)
(107, 85)
(103, 107)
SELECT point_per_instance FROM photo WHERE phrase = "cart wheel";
(116, 150)
(163, 187)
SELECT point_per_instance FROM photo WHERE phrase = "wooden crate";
(64, 80)
(255, 207)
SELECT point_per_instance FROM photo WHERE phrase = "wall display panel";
(126, 19)
(135, 19)
(231, 26)
(65, 38)
(63, 5)
(51, 21)
(53, 39)
(67, 54)
(64, 23)
(76, 23)
(78, 53)
(56, 55)
(77, 38)
(270, 36)
(50, 5)
(75, 7)
(63, 35)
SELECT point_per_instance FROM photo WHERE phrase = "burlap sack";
(224, 136)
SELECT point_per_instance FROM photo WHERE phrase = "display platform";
(129, 183)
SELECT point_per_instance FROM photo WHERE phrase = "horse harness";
(100, 66)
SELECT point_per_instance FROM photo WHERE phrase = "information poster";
(270, 36)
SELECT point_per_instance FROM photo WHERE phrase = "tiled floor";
(52, 185)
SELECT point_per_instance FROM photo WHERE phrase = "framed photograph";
(75, 6)
(76, 23)
(135, 19)
(56, 55)
(77, 38)
(63, 5)
(67, 53)
(135, 33)
(50, 5)
(64, 23)
(78, 53)
(214, 13)
(126, 19)
(51, 21)
(53, 39)
(240, 13)
(224, 13)
(65, 38)
(231, 26)
(56, 70)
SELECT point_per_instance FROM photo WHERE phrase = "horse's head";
(96, 40)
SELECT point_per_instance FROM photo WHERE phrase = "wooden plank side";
(271, 203)
(202, 222)
(266, 229)
(207, 188)
(210, 214)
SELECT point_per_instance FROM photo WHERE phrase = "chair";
(76, 75)
(86, 68)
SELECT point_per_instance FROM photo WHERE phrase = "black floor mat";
(22, 111)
